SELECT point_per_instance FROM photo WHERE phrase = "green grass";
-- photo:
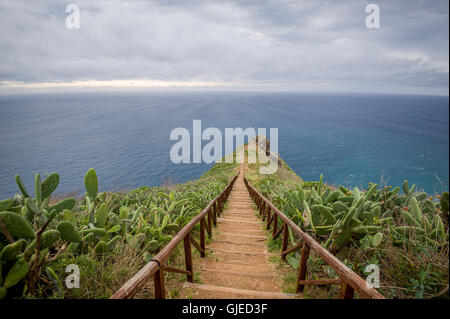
(274, 245)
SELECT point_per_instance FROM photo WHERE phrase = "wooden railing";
(156, 266)
(348, 279)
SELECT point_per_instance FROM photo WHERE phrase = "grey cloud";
(283, 44)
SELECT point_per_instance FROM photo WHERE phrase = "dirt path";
(238, 265)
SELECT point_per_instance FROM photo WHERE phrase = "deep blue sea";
(351, 139)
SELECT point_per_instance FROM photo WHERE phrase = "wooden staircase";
(237, 265)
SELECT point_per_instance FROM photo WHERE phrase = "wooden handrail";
(155, 267)
(350, 280)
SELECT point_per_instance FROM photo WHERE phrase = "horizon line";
(153, 85)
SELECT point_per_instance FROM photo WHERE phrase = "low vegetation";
(108, 236)
(403, 231)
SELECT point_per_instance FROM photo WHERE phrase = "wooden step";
(232, 229)
(244, 235)
(238, 197)
(241, 248)
(235, 293)
(242, 211)
(232, 238)
(241, 253)
(239, 205)
(238, 267)
(246, 216)
(241, 228)
(233, 220)
(239, 273)
(239, 243)
(232, 257)
(241, 263)
(239, 281)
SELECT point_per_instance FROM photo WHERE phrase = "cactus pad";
(16, 225)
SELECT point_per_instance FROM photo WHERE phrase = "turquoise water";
(351, 139)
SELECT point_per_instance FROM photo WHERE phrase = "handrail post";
(285, 240)
(222, 202)
(261, 209)
(347, 291)
(188, 256)
(275, 224)
(302, 267)
(268, 217)
(219, 207)
(202, 237)
(224, 199)
(214, 214)
(158, 279)
(209, 227)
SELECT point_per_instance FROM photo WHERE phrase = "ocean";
(351, 139)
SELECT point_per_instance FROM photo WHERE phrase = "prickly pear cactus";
(343, 217)
(36, 231)
(16, 225)
(91, 183)
(68, 231)
(30, 228)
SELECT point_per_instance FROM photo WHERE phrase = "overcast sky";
(292, 45)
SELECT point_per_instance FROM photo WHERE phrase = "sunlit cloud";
(130, 83)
